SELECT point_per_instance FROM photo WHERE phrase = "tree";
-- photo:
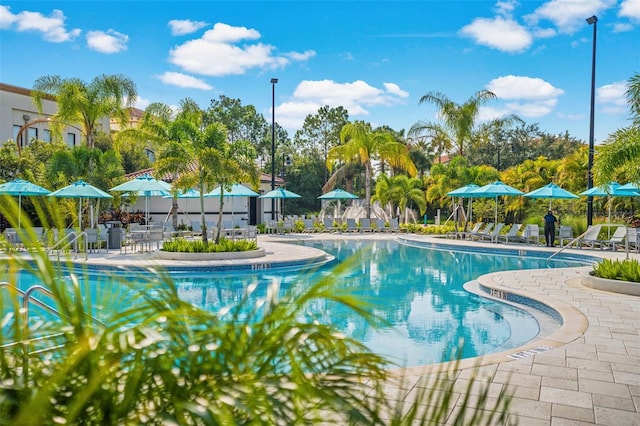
(82, 104)
(361, 145)
(243, 122)
(400, 192)
(458, 121)
(195, 154)
(321, 132)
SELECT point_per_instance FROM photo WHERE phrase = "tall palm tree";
(458, 121)
(360, 144)
(82, 104)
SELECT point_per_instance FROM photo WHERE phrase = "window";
(32, 133)
(71, 139)
(16, 130)
(46, 135)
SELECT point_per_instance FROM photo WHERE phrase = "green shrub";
(625, 270)
(180, 245)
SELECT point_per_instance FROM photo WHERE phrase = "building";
(21, 122)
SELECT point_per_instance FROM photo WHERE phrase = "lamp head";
(592, 20)
(274, 80)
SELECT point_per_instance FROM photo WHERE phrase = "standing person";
(550, 228)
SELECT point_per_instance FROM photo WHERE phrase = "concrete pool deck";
(586, 372)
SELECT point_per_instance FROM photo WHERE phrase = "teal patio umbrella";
(21, 187)
(147, 186)
(465, 192)
(338, 194)
(189, 193)
(282, 194)
(236, 190)
(494, 190)
(551, 191)
(82, 190)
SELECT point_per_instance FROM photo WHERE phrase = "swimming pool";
(417, 290)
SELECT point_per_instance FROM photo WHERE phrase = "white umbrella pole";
(496, 222)
(19, 211)
(80, 214)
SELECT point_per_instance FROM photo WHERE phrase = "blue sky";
(375, 58)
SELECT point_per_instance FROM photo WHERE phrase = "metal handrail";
(28, 299)
(69, 239)
(561, 249)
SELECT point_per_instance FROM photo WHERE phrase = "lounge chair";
(512, 234)
(309, 226)
(381, 226)
(351, 225)
(329, 226)
(467, 234)
(616, 239)
(591, 237)
(480, 234)
(394, 225)
(196, 227)
(633, 236)
(365, 225)
(493, 234)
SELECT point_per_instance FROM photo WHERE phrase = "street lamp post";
(591, 21)
(274, 81)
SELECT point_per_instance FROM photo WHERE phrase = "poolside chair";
(590, 237)
(351, 225)
(565, 233)
(365, 225)
(381, 226)
(512, 234)
(309, 226)
(633, 236)
(480, 234)
(196, 227)
(94, 243)
(493, 234)
(468, 234)
(531, 233)
(394, 225)
(616, 239)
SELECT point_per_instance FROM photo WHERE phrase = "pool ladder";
(29, 299)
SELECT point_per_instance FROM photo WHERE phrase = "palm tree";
(232, 163)
(458, 121)
(361, 145)
(406, 192)
(82, 104)
(621, 151)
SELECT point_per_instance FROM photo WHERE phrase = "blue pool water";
(417, 291)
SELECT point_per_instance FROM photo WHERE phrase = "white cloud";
(142, 103)
(621, 27)
(51, 27)
(356, 97)
(498, 33)
(520, 87)
(612, 97)
(529, 97)
(630, 9)
(218, 53)
(183, 80)
(569, 15)
(107, 42)
(185, 26)
(395, 90)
